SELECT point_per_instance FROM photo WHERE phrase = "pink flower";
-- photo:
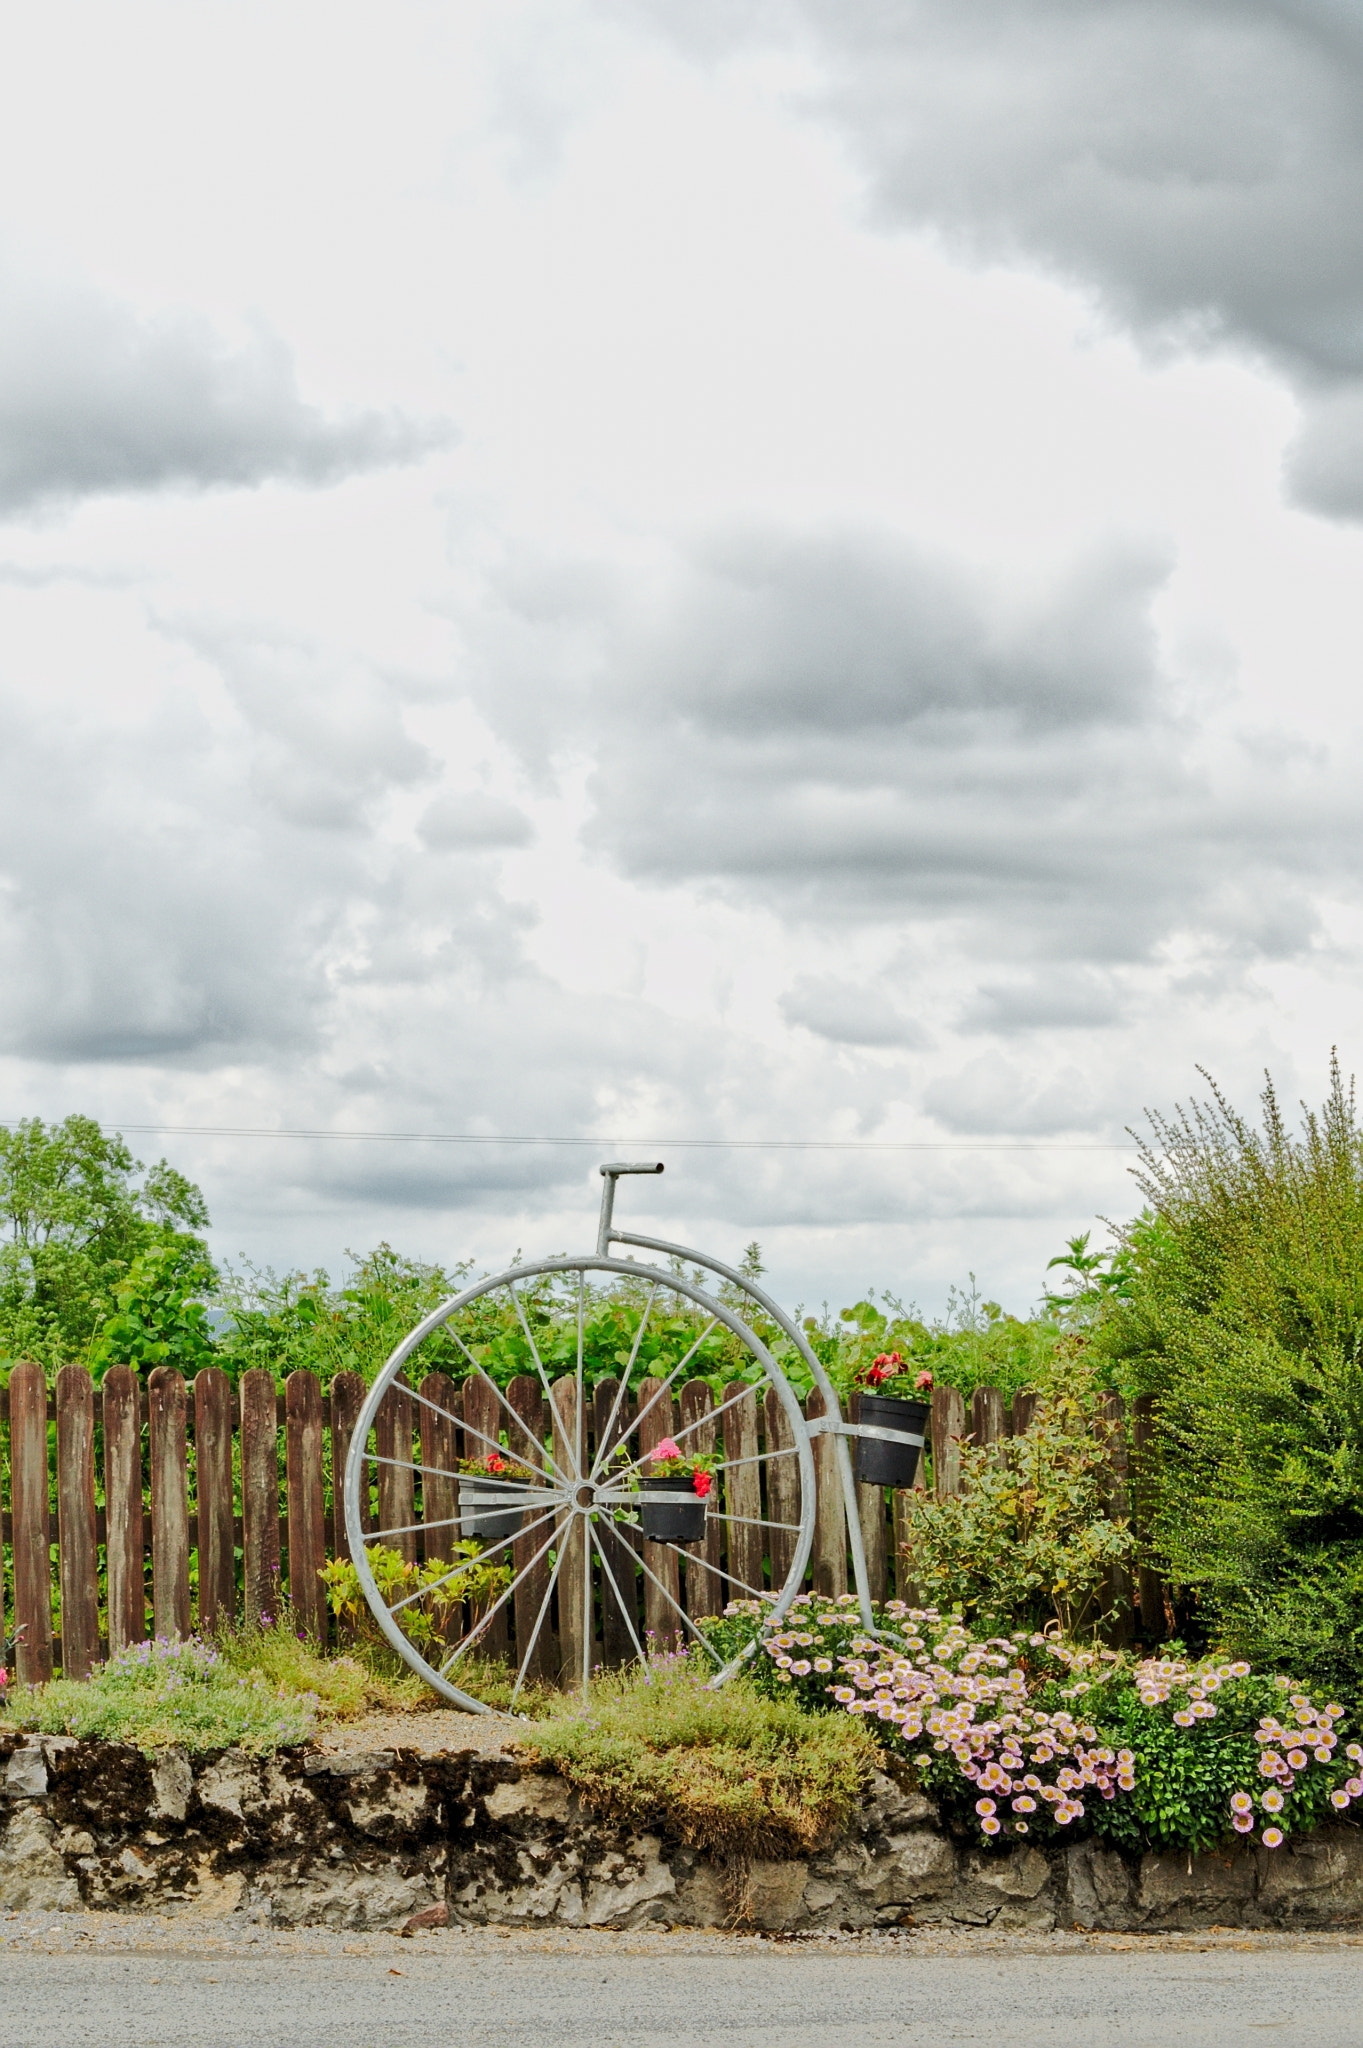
(666, 1449)
(923, 1383)
(1272, 1838)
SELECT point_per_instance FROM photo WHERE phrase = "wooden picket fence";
(183, 1507)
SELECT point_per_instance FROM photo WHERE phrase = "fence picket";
(704, 1585)
(122, 1404)
(213, 1499)
(526, 1397)
(871, 1515)
(397, 1490)
(830, 1526)
(742, 1493)
(439, 1432)
(1024, 1408)
(572, 1576)
(166, 1430)
(783, 1488)
(347, 1398)
(259, 1496)
(32, 1536)
(307, 1502)
(988, 1428)
(948, 1427)
(484, 1413)
(76, 1521)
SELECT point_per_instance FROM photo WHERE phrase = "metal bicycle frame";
(830, 1423)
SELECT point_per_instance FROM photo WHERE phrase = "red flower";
(924, 1383)
(495, 1463)
(702, 1482)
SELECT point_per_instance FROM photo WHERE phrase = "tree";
(75, 1218)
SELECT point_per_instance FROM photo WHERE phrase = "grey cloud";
(847, 1013)
(472, 821)
(1062, 999)
(993, 1095)
(1198, 163)
(94, 399)
(840, 728)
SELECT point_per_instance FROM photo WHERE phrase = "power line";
(618, 1144)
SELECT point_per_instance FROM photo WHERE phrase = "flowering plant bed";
(1028, 1735)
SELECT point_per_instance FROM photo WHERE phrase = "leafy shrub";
(162, 1693)
(730, 1772)
(1245, 1318)
(434, 1591)
(1029, 1540)
(1028, 1735)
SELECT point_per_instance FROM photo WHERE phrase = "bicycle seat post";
(610, 1173)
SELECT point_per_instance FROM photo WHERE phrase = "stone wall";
(308, 1838)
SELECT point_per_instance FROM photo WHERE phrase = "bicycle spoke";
(758, 1593)
(755, 1521)
(468, 1428)
(534, 1353)
(688, 1428)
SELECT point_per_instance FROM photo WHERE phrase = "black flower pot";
(881, 1461)
(672, 1519)
(489, 1509)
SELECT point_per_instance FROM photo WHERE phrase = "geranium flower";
(923, 1383)
(702, 1482)
(666, 1449)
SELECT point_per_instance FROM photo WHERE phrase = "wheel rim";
(578, 1554)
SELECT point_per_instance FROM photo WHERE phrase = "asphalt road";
(88, 1980)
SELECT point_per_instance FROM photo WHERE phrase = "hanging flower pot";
(890, 1461)
(670, 1509)
(493, 1497)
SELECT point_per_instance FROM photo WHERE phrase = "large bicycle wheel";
(487, 1581)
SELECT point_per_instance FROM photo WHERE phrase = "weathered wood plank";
(662, 1593)
(619, 1586)
(988, 1425)
(32, 1536)
(875, 1526)
(439, 1433)
(483, 1416)
(1024, 1408)
(704, 1586)
(213, 1485)
(526, 1396)
(167, 1414)
(744, 1544)
(574, 1632)
(783, 1488)
(76, 1521)
(829, 1557)
(396, 1479)
(259, 1496)
(347, 1398)
(307, 1502)
(121, 1396)
(948, 1427)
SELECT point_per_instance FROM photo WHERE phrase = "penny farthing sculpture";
(585, 1558)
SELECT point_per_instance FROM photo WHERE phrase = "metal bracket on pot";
(832, 1425)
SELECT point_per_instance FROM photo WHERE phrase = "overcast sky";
(747, 569)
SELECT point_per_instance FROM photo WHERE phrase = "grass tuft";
(160, 1694)
(731, 1773)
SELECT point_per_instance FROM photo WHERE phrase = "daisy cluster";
(960, 1705)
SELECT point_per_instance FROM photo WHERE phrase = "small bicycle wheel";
(550, 1562)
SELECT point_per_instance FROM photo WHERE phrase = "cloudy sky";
(677, 570)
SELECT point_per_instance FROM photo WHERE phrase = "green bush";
(1245, 1318)
(1029, 1540)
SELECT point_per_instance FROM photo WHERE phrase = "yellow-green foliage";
(728, 1772)
(364, 1681)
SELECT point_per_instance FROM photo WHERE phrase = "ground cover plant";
(161, 1693)
(737, 1772)
(1029, 1736)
